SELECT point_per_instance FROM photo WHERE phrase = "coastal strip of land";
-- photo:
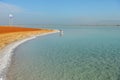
(10, 38)
(9, 34)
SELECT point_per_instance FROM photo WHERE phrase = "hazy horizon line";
(71, 24)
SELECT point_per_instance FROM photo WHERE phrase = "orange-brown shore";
(9, 34)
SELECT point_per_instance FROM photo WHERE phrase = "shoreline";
(7, 52)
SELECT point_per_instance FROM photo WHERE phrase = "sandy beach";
(9, 34)
(10, 38)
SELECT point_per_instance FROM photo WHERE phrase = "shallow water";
(80, 54)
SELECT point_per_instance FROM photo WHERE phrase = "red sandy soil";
(8, 29)
(9, 34)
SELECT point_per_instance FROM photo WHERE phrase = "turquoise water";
(80, 54)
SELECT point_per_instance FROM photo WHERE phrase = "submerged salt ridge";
(7, 52)
(5, 58)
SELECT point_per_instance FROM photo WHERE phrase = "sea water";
(87, 53)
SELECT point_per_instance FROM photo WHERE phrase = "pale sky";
(70, 12)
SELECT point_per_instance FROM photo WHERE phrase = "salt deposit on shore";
(10, 38)
(7, 52)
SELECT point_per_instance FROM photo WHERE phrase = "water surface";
(80, 54)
